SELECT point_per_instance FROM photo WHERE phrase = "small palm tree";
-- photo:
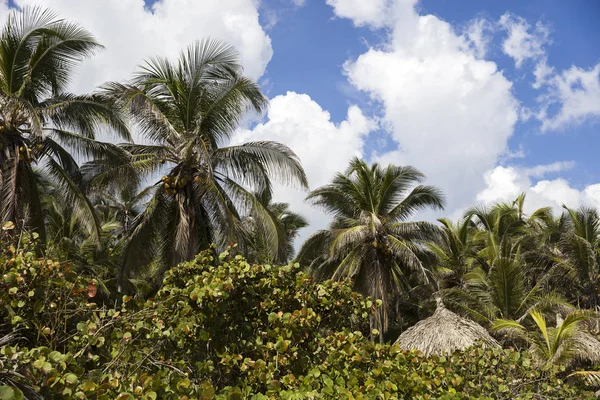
(188, 110)
(283, 221)
(504, 279)
(122, 204)
(67, 236)
(557, 346)
(38, 117)
(371, 239)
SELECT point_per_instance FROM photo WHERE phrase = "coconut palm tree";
(282, 220)
(504, 278)
(187, 111)
(68, 239)
(560, 345)
(454, 251)
(122, 203)
(371, 239)
(580, 246)
(502, 292)
(38, 117)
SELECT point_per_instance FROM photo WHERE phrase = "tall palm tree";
(282, 220)
(188, 110)
(38, 117)
(371, 239)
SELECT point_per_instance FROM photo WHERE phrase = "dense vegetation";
(184, 288)
(221, 327)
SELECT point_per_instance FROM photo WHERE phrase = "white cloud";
(450, 112)
(131, 32)
(523, 41)
(541, 170)
(3, 8)
(323, 147)
(376, 13)
(502, 184)
(299, 3)
(577, 92)
(478, 35)
(541, 72)
(506, 183)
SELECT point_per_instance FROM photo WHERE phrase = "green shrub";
(222, 328)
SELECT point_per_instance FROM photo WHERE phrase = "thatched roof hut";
(444, 332)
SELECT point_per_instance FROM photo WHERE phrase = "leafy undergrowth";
(222, 328)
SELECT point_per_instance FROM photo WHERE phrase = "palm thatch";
(587, 347)
(444, 332)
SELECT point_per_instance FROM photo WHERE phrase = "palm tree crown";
(188, 110)
(37, 117)
(370, 238)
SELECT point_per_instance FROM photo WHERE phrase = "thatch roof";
(444, 332)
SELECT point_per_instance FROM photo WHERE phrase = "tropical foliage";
(223, 328)
(559, 345)
(282, 220)
(161, 268)
(188, 111)
(38, 118)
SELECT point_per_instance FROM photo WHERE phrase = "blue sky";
(310, 46)
(488, 98)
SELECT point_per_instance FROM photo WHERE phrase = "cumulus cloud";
(132, 32)
(324, 147)
(523, 41)
(576, 91)
(375, 13)
(506, 183)
(450, 112)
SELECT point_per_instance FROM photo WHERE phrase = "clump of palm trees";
(56, 176)
(125, 212)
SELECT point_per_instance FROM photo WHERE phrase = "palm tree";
(580, 246)
(454, 251)
(502, 292)
(68, 237)
(38, 117)
(504, 278)
(283, 221)
(123, 204)
(558, 346)
(370, 238)
(188, 110)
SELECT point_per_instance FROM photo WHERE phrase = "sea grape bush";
(223, 328)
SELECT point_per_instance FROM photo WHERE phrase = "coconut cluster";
(25, 154)
(172, 184)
